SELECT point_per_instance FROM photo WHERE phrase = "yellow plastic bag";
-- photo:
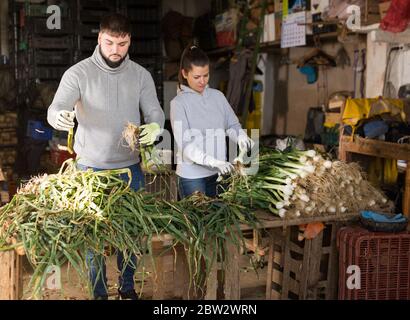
(357, 110)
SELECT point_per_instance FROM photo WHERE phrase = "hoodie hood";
(185, 89)
(99, 61)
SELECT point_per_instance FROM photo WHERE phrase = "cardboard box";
(272, 27)
(297, 6)
(278, 5)
(383, 8)
(226, 27)
(332, 119)
(318, 6)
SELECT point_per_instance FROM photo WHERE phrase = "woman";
(201, 118)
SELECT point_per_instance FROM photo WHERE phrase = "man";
(107, 90)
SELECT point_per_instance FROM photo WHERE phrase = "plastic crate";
(40, 10)
(91, 4)
(57, 157)
(94, 15)
(50, 73)
(143, 14)
(142, 3)
(145, 31)
(88, 44)
(148, 47)
(37, 130)
(53, 57)
(88, 30)
(52, 42)
(39, 26)
(8, 137)
(384, 262)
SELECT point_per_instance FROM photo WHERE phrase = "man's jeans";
(96, 263)
(208, 186)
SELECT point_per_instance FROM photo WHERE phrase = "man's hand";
(149, 133)
(65, 120)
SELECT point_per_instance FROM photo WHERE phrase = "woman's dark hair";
(192, 56)
(115, 24)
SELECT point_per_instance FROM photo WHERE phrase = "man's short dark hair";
(115, 24)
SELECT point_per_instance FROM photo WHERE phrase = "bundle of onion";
(296, 183)
(151, 161)
(58, 218)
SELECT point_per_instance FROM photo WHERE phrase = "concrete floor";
(253, 283)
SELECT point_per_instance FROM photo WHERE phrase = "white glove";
(196, 155)
(223, 167)
(65, 120)
(245, 143)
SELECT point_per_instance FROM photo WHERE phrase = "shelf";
(140, 21)
(3, 146)
(266, 46)
(376, 148)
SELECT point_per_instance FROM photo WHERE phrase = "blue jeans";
(208, 186)
(96, 263)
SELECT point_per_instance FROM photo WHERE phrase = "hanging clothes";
(239, 73)
(397, 18)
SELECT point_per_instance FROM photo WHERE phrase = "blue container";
(37, 130)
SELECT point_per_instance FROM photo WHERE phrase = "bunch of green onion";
(301, 183)
(55, 219)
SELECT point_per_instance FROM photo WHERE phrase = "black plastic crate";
(39, 26)
(50, 73)
(92, 4)
(40, 10)
(143, 14)
(87, 44)
(142, 3)
(53, 57)
(153, 63)
(88, 30)
(93, 15)
(65, 42)
(146, 47)
(145, 31)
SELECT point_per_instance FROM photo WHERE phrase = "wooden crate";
(302, 270)
(11, 276)
(170, 277)
(164, 183)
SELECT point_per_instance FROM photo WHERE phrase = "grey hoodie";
(207, 112)
(105, 100)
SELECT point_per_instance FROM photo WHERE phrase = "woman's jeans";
(96, 263)
(208, 186)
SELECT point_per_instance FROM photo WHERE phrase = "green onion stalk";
(292, 183)
(55, 219)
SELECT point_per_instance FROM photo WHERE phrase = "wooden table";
(232, 290)
(11, 276)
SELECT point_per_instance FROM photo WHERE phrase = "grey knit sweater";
(105, 100)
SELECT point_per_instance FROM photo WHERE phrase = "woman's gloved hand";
(149, 133)
(245, 143)
(223, 167)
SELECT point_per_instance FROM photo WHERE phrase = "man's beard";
(112, 64)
